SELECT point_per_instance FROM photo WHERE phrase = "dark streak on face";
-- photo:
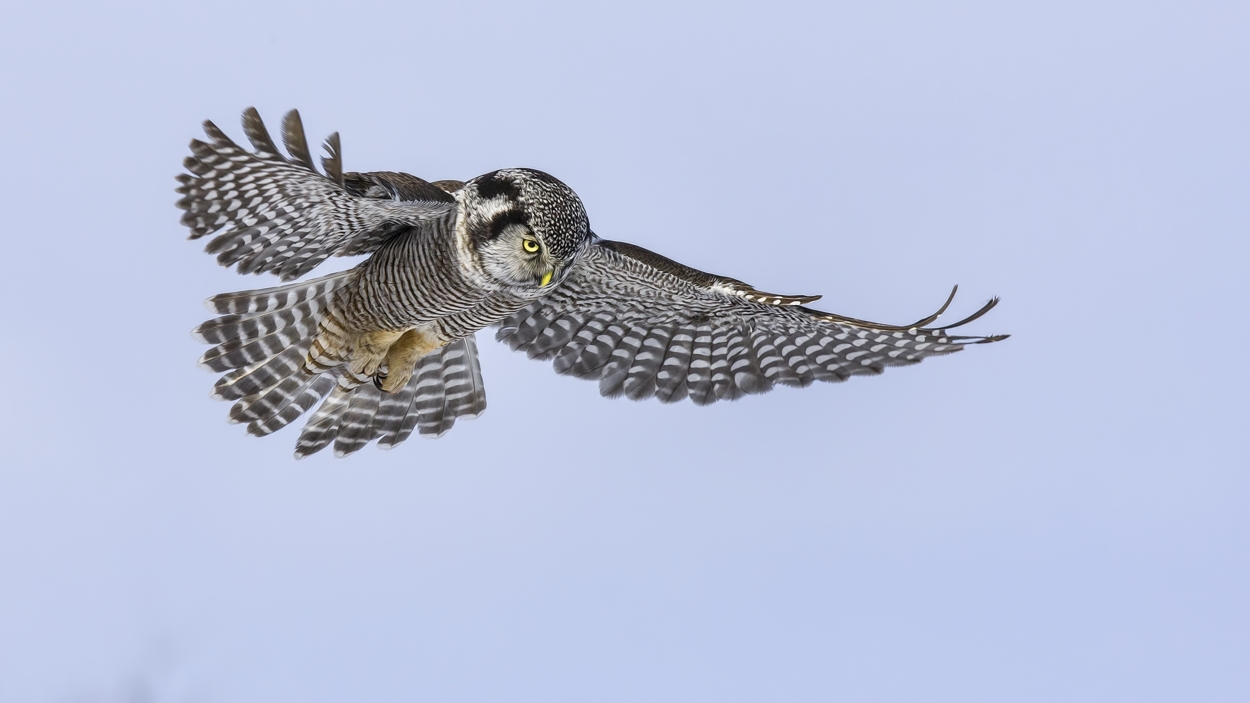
(500, 222)
(492, 185)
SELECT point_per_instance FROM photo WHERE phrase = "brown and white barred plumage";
(604, 324)
(263, 339)
(389, 344)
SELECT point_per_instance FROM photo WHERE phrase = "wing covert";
(278, 214)
(646, 326)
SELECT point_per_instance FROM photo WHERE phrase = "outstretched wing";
(644, 325)
(278, 214)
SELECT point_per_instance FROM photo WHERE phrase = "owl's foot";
(402, 358)
(369, 351)
(392, 382)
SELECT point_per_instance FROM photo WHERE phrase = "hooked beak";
(546, 279)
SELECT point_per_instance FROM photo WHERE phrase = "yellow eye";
(529, 245)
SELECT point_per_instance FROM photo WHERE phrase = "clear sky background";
(1059, 517)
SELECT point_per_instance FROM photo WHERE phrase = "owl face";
(526, 227)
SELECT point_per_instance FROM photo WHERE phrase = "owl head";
(526, 227)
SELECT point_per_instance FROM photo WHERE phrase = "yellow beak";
(546, 279)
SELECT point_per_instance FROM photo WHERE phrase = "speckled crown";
(529, 197)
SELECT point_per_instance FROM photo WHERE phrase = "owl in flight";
(391, 341)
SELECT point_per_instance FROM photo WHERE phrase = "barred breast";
(416, 294)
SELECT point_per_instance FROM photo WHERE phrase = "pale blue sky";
(1060, 517)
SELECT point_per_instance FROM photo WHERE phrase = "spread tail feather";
(261, 340)
(264, 343)
(446, 385)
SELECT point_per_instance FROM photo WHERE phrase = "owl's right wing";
(644, 325)
(278, 214)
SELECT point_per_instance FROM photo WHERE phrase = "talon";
(378, 378)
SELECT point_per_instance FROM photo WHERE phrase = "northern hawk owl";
(391, 341)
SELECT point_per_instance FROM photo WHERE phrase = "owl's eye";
(529, 245)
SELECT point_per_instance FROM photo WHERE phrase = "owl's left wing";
(276, 213)
(644, 325)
